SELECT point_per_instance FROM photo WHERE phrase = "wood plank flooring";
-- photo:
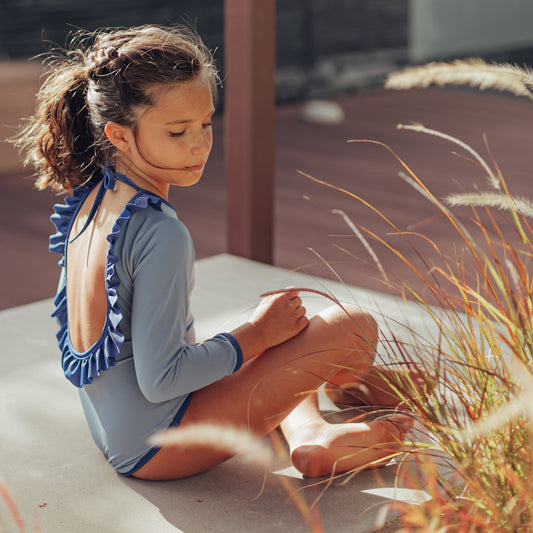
(306, 229)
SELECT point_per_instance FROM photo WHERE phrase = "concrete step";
(60, 481)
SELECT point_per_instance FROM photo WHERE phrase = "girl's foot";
(322, 449)
(381, 386)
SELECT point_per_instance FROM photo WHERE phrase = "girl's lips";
(195, 168)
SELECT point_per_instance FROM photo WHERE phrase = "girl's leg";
(267, 388)
(381, 386)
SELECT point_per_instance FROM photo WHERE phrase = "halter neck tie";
(107, 183)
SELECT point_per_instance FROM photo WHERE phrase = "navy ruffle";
(63, 218)
(81, 368)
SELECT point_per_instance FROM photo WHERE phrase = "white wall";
(448, 28)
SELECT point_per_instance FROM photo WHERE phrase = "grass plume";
(473, 72)
(223, 438)
(502, 202)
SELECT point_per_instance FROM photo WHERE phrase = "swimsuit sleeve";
(166, 366)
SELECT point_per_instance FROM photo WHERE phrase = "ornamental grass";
(478, 420)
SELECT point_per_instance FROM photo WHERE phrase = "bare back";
(86, 264)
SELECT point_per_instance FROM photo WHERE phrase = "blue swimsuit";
(138, 377)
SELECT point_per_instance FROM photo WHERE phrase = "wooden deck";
(304, 218)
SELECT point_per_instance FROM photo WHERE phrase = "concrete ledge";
(59, 479)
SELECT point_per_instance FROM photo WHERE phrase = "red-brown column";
(249, 102)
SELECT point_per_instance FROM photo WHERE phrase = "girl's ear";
(119, 136)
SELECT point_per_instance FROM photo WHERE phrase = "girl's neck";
(140, 180)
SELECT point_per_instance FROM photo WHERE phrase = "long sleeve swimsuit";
(138, 377)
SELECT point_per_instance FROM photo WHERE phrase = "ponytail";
(110, 81)
(58, 140)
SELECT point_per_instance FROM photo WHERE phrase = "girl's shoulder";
(154, 231)
(146, 208)
(150, 217)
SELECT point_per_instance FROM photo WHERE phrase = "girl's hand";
(279, 317)
(276, 319)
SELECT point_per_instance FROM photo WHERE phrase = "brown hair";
(108, 81)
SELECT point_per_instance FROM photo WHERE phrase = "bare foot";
(381, 386)
(322, 449)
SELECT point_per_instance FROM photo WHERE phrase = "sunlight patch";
(411, 496)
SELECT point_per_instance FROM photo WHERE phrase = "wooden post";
(249, 103)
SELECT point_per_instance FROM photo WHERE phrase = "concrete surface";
(59, 480)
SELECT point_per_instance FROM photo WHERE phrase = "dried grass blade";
(351, 194)
(365, 243)
(6, 496)
(493, 179)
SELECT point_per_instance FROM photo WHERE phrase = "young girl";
(116, 124)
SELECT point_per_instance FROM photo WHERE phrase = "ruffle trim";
(63, 219)
(81, 368)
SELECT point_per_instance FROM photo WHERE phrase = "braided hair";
(111, 80)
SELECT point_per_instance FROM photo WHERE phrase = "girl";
(116, 124)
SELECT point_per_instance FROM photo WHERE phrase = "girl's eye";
(180, 133)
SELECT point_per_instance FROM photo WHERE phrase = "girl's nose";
(202, 142)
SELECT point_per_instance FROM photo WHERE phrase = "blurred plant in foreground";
(479, 416)
(14, 522)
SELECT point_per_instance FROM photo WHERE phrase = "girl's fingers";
(292, 294)
(296, 302)
(302, 322)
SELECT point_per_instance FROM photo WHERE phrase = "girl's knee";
(353, 323)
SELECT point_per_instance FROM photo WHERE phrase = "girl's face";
(172, 140)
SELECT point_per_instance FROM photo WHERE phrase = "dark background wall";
(323, 46)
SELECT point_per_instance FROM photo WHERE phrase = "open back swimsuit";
(138, 377)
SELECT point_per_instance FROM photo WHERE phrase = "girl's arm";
(161, 267)
(166, 365)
